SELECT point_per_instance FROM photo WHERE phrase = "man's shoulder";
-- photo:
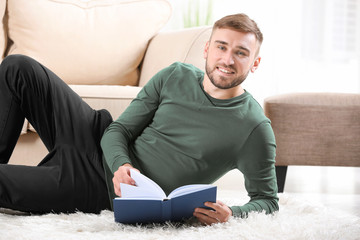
(180, 72)
(180, 67)
(255, 111)
(184, 67)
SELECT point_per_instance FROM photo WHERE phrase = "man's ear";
(255, 64)
(206, 49)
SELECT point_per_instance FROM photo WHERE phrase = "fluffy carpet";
(297, 219)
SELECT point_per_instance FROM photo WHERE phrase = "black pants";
(71, 177)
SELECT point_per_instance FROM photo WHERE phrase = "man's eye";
(221, 47)
(241, 53)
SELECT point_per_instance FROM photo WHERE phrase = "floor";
(335, 187)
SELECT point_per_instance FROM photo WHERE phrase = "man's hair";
(242, 23)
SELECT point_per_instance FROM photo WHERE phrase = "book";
(147, 202)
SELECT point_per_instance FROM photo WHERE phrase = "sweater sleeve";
(258, 166)
(130, 124)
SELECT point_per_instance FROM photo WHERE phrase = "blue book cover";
(147, 203)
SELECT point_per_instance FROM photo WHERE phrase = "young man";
(189, 127)
(184, 127)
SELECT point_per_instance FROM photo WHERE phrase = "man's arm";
(117, 137)
(257, 163)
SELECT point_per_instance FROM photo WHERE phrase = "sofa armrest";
(186, 45)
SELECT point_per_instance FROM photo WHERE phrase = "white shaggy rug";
(297, 219)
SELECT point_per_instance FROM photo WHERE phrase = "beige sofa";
(106, 50)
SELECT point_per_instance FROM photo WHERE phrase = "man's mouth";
(225, 70)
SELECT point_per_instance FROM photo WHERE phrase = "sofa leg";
(280, 177)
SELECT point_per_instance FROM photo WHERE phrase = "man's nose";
(228, 58)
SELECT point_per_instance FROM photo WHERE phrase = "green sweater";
(177, 134)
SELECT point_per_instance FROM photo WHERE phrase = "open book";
(147, 202)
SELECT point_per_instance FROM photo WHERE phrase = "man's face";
(230, 55)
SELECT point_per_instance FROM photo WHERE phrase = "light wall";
(309, 46)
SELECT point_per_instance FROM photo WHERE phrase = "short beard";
(236, 82)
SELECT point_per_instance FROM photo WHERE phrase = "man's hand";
(122, 175)
(221, 213)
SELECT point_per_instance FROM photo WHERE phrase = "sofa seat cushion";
(115, 99)
(86, 41)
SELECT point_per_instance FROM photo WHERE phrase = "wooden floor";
(335, 187)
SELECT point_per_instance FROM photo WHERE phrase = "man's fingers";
(207, 212)
(127, 180)
(116, 184)
(218, 206)
(122, 175)
(205, 219)
(220, 213)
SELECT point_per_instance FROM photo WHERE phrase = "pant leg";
(11, 117)
(61, 118)
(25, 90)
(30, 89)
(62, 186)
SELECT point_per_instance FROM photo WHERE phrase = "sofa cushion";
(86, 41)
(115, 99)
(190, 44)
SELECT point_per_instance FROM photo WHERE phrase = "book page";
(134, 192)
(188, 189)
(145, 187)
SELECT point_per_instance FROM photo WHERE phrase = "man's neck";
(218, 93)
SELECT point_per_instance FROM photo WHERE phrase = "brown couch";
(315, 129)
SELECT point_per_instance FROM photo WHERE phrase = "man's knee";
(15, 62)
(14, 67)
